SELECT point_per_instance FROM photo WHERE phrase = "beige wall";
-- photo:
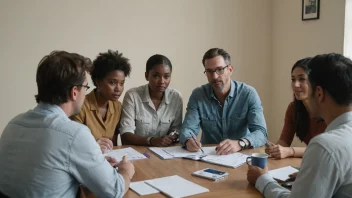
(294, 39)
(347, 51)
(264, 37)
(182, 30)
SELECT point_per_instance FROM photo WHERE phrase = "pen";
(267, 143)
(197, 143)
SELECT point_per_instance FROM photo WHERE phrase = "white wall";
(294, 39)
(182, 30)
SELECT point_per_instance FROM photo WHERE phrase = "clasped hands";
(278, 152)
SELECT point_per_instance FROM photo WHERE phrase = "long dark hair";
(301, 116)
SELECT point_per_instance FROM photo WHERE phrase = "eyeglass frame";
(217, 70)
(85, 86)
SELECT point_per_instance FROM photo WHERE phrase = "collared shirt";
(45, 154)
(91, 117)
(326, 169)
(140, 117)
(241, 116)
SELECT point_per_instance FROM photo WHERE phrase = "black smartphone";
(287, 184)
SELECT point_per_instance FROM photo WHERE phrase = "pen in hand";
(194, 138)
(267, 144)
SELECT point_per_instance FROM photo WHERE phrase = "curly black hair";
(107, 62)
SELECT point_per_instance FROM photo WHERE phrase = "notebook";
(129, 152)
(282, 174)
(176, 186)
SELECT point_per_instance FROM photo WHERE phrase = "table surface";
(235, 185)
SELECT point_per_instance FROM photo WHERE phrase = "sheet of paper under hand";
(129, 152)
(283, 173)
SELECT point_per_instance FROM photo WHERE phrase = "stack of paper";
(282, 174)
(176, 186)
(129, 152)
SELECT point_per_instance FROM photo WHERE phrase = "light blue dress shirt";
(45, 154)
(241, 116)
(326, 169)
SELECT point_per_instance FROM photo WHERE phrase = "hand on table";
(278, 151)
(162, 141)
(227, 147)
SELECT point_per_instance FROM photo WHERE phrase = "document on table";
(282, 174)
(129, 152)
(233, 160)
(178, 152)
(176, 186)
(141, 188)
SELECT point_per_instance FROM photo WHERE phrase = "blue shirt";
(45, 154)
(241, 116)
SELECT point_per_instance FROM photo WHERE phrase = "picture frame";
(310, 9)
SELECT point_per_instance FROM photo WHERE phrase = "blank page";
(176, 186)
(142, 188)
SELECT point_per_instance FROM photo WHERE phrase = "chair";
(2, 195)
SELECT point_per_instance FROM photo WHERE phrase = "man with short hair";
(229, 112)
(326, 169)
(45, 154)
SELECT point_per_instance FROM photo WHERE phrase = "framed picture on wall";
(310, 9)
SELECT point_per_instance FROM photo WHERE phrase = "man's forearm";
(126, 178)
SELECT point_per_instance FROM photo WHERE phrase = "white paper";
(142, 188)
(178, 152)
(233, 160)
(176, 186)
(160, 152)
(283, 173)
(129, 152)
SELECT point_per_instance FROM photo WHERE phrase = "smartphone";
(287, 184)
(213, 171)
(212, 174)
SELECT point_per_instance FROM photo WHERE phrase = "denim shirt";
(241, 116)
(45, 154)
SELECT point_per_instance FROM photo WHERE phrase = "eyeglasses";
(85, 86)
(219, 71)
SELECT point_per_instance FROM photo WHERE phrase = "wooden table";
(235, 185)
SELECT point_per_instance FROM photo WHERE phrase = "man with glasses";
(45, 154)
(229, 113)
